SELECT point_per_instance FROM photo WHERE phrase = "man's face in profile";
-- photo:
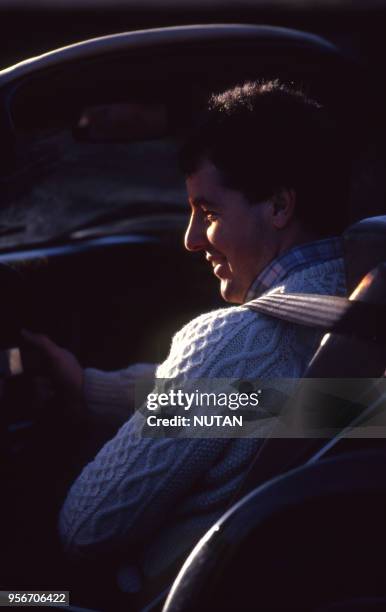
(236, 236)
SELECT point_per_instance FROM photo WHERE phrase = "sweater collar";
(298, 258)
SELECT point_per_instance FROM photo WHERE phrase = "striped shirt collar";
(298, 258)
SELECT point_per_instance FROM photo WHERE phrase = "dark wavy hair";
(267, 136)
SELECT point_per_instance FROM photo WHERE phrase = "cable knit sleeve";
(110, 395)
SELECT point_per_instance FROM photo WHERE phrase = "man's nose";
(195, 235)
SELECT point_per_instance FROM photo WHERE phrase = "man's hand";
(62, 366)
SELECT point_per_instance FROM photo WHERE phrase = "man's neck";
(295, 236)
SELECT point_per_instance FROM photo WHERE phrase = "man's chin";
(229, 292)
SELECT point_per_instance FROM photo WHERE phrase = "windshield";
(65, 183)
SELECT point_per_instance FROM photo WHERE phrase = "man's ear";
(283, 202)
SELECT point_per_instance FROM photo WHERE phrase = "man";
(265, 198)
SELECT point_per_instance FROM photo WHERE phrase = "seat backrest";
(364, 248)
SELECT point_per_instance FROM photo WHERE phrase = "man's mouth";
(220, 266)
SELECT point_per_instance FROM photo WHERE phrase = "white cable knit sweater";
(153, 498)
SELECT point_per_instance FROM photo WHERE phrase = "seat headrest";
(364, 247)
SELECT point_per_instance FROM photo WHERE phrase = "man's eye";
(210, 216)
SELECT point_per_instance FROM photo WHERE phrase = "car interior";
(91, 254)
